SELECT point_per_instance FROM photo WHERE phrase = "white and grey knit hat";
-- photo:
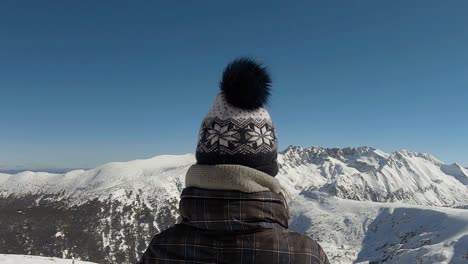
(238, 129)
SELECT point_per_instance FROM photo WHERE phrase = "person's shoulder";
(172, 233)
(307, 244)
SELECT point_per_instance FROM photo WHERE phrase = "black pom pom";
(246, 84)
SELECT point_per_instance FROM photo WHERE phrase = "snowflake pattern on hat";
(221, 134)
(231, 136)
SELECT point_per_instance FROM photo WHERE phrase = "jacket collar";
(232, 211)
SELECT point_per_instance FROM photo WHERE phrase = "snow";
(369, 231)
(457, 171)
(24, 259)
(109, 179)
(368, 174)
(4, 177)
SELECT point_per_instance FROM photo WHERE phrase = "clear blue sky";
(87, 82)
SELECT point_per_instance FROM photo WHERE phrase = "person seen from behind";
(233, 209)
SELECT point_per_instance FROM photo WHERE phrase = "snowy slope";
(457, 171)
(24, 259)
(163, 174)
(392, 232)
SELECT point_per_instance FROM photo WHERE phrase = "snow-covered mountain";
(161, 174)
(360, 173)
(106, 214)
(369, 174)
(340, 197)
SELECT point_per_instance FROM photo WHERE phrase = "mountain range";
(361, 204)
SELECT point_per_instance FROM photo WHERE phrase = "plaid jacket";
(232, 227)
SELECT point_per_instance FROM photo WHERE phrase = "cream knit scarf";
(231, 177)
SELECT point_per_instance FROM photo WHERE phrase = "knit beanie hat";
(237, 129)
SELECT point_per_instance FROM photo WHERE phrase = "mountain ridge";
(361, 173)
